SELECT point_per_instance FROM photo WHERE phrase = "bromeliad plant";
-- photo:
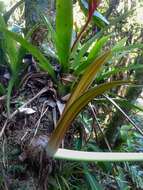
(72, 61)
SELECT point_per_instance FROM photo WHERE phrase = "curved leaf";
(93, 53)
(88, 77)
(78, 56)
(72, 111)
(43, 62)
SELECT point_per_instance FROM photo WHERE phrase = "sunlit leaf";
(100, 17)
(97, 48)
(64, 26)
(120, 47)
(119, 44)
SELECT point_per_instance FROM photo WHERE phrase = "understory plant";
(85, 69)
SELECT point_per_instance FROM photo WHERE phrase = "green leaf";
(50, 28)
(64, 26)
(88, 77)
(31, 30)
(122, 102)
(71, 112)
(78, 56)
(9, 91)
(98, 17)
(94, 185)
(43, 62)
(121, 179)
(2, 89)
(119, 45)
(119, 48)
(116, 70)
(9, 46)
(94, 52)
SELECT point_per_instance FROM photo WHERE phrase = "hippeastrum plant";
(85, 70)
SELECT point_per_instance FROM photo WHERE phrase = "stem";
(64, 154)
(80, 34)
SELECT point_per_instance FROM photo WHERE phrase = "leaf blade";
(69, 115)
(43, 62)
(88, 77)
(64, 25)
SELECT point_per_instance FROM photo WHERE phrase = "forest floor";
(26, 129)
(36, 118)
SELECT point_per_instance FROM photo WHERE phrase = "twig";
(43, 111)
(3, 129)
(31, 100)
(105, 139)
(16, 111)
(127, 117)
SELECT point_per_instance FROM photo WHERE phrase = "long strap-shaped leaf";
(70, 114)
(88, 77)
(43, 62)
(64, 26)
(64, 154)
